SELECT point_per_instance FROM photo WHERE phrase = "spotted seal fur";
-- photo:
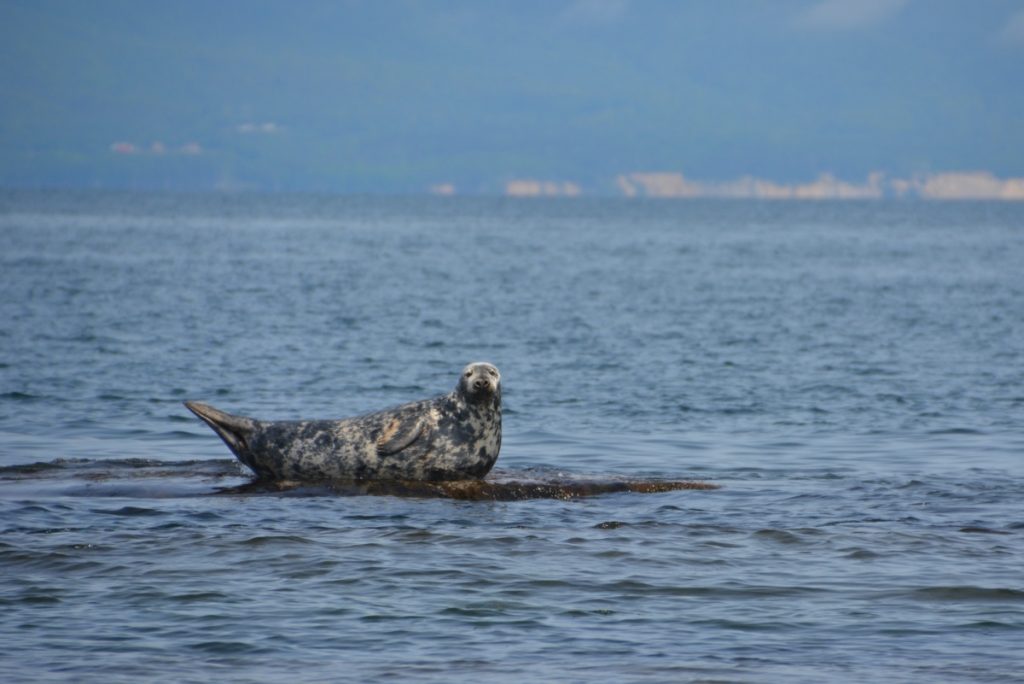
(455, 436)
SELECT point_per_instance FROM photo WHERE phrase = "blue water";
(851, 374)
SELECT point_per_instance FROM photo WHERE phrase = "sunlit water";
(851, 374)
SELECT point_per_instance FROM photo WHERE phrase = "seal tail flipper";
(234, 430)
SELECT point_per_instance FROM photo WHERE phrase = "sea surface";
(850, 374)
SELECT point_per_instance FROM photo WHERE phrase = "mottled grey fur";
(451, 437)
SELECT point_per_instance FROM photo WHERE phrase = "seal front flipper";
(397, 435)
(234, 430)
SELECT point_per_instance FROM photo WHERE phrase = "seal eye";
(469, 374)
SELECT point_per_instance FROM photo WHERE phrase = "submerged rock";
(505, 488)
(145, 478)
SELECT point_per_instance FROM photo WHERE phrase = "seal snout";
(482, 386)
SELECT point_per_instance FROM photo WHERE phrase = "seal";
(455, 436)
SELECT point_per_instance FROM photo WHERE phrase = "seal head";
(480, 383)
(450, 437)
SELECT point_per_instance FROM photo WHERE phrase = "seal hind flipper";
(234, 430)
(394, 438)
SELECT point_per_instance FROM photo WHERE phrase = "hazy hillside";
(400, 96)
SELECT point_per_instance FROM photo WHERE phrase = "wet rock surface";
(160, 479)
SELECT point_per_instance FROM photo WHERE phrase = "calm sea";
(851, 374)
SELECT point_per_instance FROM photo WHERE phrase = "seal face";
(454, 436)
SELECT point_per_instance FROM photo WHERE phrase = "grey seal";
(454, 436)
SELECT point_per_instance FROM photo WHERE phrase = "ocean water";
(850, 374)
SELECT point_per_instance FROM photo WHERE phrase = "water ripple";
(849, 372)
